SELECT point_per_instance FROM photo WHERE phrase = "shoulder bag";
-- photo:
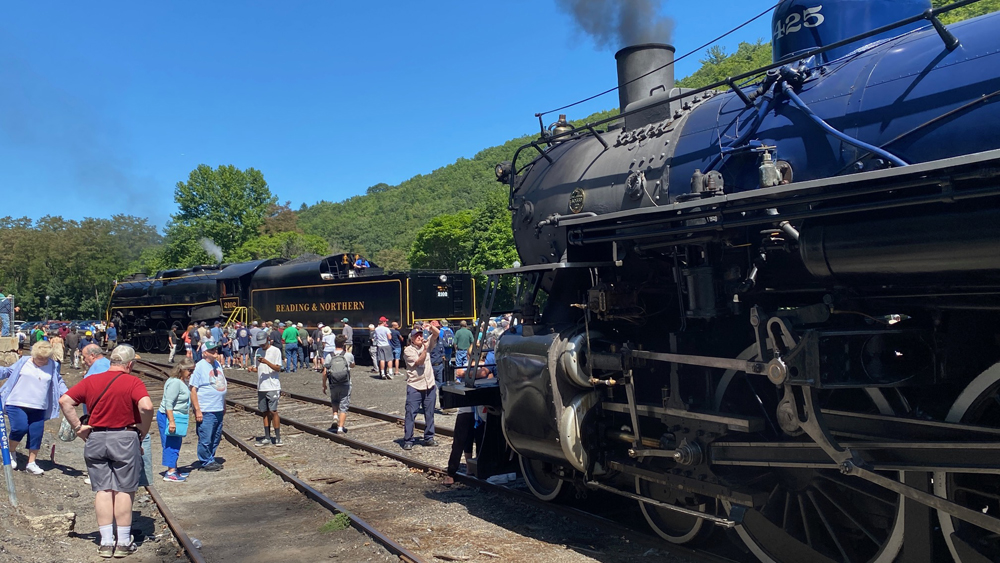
(180, 424)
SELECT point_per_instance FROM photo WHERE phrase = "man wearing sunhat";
(208, 402)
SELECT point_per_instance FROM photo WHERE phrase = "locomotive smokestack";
(644, 71)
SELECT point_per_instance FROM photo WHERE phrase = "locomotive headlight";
(502, 171)
(443, 278)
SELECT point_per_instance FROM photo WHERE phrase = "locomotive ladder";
(482, 322)
(239, 314)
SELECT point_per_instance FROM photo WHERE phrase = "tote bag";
(180, 425)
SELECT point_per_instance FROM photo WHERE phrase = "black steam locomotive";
(309, 290)
(774, 309)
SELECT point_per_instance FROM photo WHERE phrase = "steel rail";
(194, 554)
(316, 401)
(325, 501)
(600, 522)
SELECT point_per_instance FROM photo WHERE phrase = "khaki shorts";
(113, 460)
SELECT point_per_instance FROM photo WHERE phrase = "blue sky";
(105, 106)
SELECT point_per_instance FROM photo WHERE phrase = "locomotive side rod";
(703, 361)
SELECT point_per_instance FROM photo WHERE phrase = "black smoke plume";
(619, 23)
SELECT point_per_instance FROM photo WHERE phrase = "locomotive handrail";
(802, 188)
(930, 15)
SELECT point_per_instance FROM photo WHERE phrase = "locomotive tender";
(306, 290)
(774, 309)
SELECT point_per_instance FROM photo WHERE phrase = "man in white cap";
(120, 415)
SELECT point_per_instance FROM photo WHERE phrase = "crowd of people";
(118, 412)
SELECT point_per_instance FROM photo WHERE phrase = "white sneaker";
(86, 481)
(13, 461)
(33, 469)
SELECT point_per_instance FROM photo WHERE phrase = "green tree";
(288, 245)
(72, 263)
(443, 243)
(965, 12)
(392, 259)
(226, 205)
(717, 65)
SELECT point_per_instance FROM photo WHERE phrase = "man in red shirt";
(120, 415)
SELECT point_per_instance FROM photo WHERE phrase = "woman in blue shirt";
(174, 407)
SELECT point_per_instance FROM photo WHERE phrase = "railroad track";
(189, 547)
(382, 436)
(157, 372)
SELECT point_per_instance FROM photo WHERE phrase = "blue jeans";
(417, 401)
(26, 421)
(438, 374)
(196, 353)
(291, 356)
(461, 357)
(146, 475)
(171, 444)
(209, 435)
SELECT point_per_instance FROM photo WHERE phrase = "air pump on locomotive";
(774, 308)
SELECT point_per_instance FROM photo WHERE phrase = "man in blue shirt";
(208, 402)
(93, 358)
(112, 336)
(216, 331)
(242, 345)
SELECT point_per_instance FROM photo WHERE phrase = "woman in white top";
(329, 342)
(30, 397)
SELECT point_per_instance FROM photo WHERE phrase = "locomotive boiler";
(773, 307)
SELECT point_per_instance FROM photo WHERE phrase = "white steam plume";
(212, 249)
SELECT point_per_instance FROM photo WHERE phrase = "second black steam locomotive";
(774, 309)
(307, 290)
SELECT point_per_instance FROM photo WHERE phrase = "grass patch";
(339, 522)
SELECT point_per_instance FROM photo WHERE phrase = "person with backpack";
(268, 367)
(447, 337)
(337, 374)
